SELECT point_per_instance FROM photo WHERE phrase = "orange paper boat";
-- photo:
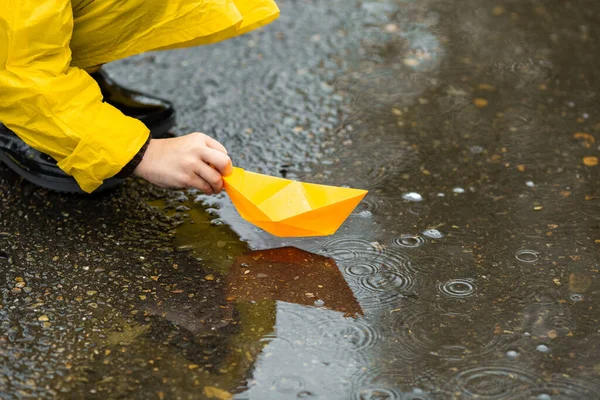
(289, 208)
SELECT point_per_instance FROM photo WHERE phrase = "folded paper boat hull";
(288, 208)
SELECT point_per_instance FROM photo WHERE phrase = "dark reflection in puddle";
(291, 275)
(221, 323)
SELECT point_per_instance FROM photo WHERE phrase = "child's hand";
(191, 161)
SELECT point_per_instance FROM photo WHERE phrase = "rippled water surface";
(470, 271)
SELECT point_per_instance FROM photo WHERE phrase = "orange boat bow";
(289, 208)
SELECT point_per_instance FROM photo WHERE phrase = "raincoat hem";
(232, 25)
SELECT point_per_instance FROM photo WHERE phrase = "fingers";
(218, 160)
(196, 182)
(213, 144)
(211, 176)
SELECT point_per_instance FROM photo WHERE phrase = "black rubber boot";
(156, 113)
(41, 170)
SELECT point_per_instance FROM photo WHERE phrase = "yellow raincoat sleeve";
(54, 107)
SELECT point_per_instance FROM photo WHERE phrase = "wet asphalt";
(469, 271)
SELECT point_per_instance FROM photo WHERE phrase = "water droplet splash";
(288, 384)
(512, 354)
(542, 348)
(495, 382)
(528, 256)
(409, 240)
(576, 297)
(433, 233)
(412, 196)
(378, 394)
(364, 268)
(457, 287)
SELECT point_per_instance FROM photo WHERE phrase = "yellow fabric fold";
(98, 37)
(54, 107)
(48, 99)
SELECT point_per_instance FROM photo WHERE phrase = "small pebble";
(530, 183)
(458, 190)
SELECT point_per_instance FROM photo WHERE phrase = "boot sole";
(56, 184)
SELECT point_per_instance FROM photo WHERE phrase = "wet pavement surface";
(469, 271)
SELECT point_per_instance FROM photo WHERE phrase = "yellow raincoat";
(49, 100)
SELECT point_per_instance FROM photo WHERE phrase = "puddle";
(469, 271)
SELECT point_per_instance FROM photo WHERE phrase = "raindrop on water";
(543, 348)
(512, 354)
(418, 209)
(417, 394)
(412, 196)
(288, 384)
(378, 394)
(433, 233)
(409, 240)
(576, 297)
(363, 268)
(527, 256)
(495, 382)
(458, 287)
